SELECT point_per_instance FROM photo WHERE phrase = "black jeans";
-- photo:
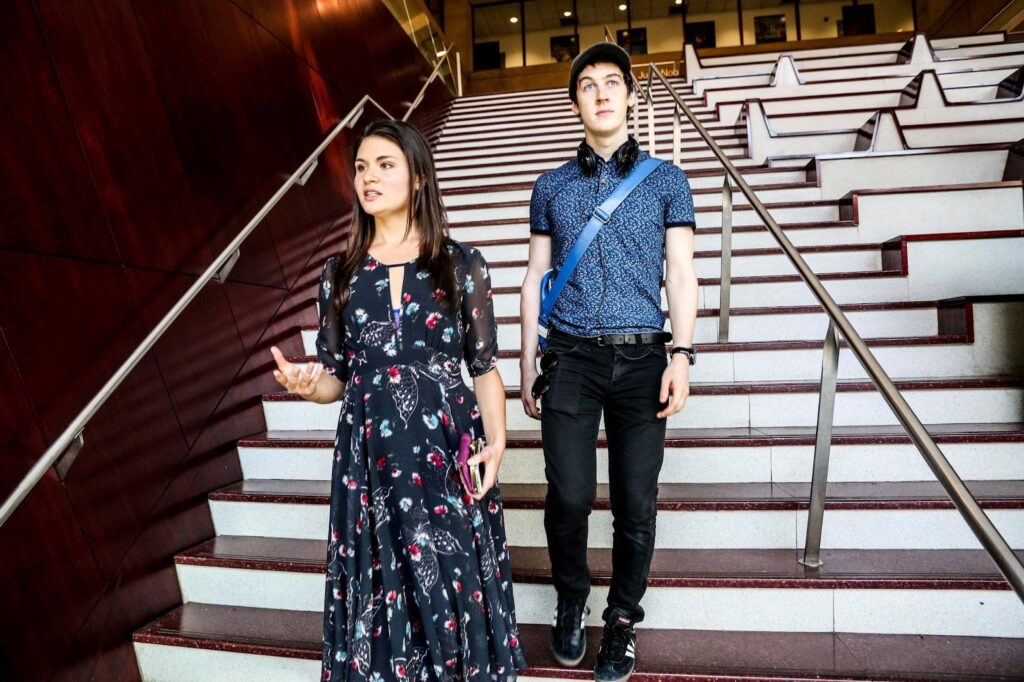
(623, 382)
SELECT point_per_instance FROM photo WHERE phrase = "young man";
(606, 353)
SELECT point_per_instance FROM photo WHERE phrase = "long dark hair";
(425, 211)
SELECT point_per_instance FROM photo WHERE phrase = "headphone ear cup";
(629, 153)
(586, 158)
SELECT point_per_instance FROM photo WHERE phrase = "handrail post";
(677, 137)
(980, 524)
(445, 56)
(458, 73)
(650, 114)
(725, 281)
(822, 447)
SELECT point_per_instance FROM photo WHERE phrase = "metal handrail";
(993, 542)
(218, 269)
(433, 74)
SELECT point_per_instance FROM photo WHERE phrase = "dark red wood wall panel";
(138, 138)
(69, 323)
(47, 186)
(110, 88)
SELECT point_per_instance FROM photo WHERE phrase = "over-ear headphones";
(586, 157)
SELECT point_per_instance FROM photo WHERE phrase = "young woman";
(418, 580)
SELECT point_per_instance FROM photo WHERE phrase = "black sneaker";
(568, 635)
(616, 658)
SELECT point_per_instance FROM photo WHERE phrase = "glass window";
(497, 36)
(768, 21)
(711, 23)
(834, 18)
(594, 15)
(657, 26)
(550, 31)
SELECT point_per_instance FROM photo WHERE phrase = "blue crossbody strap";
(602, 214)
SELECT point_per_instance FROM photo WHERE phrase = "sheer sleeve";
(479, 330)
(330, 340)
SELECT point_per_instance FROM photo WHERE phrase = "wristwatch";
(690, 353)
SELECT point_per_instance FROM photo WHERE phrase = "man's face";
(602, 98)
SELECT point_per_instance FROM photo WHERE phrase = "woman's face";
(382, 178)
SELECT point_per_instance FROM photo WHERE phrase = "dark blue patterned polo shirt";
(616, 288)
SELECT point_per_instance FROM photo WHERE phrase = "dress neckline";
(389, 265)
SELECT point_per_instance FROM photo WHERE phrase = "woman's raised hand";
(301, 381)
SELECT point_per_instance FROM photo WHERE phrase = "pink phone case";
(463, 462)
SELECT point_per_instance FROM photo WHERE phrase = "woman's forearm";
(490, 396)
(328, 390)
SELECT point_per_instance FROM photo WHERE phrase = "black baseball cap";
(599, 52)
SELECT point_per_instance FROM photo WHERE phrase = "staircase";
(922, 248)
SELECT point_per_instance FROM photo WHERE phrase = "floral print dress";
(418, 578)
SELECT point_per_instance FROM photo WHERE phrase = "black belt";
(642, 339)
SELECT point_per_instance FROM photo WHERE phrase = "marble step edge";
(714, 254)
(552, 112)
(445, 165)
(749, 388)
(897, 569)
(759, 310)
(683, 497)
(816, 203)
(741, 253)
(699, 172)
(787, 226)
(665, 655)
(908, 343)
(487, 104)
(702, 438)
(549, 147)
(768, 279)
(520, 186)
(567, 142)
(755, 346)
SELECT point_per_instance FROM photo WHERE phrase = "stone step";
(768, 404)
(941, 592)
(708, 178)
(745, 262)
(784, 455)
(928, 357)
(710, 216)
(793, 323)
(200, 642)
(908, 515)
(707, 197)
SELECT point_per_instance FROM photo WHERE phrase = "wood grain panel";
(47, 200)
(103, 67)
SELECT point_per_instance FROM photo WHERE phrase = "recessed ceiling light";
(679, 2)
(514, 20)
(566, 13)
(622, 8)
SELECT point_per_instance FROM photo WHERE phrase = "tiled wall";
(137, 138)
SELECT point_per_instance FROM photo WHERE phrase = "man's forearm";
(529, 308)
(683, 295)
